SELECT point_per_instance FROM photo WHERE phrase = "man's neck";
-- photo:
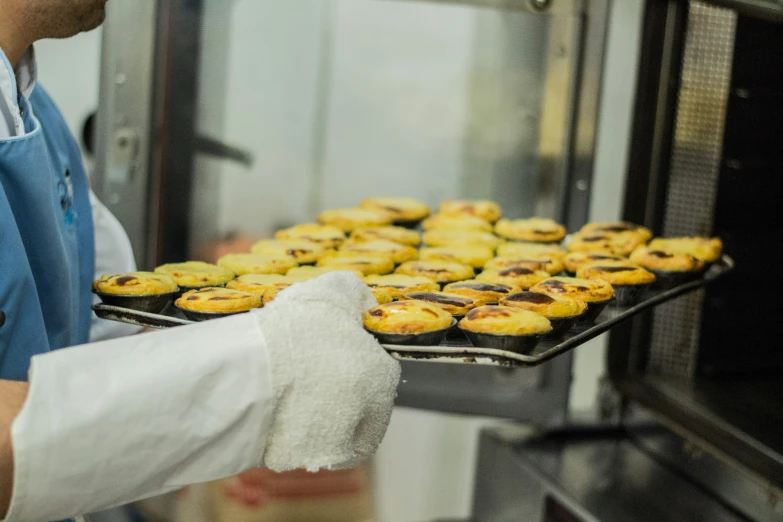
(13, 40)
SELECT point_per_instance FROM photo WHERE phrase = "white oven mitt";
(297, 385)
(335, 385)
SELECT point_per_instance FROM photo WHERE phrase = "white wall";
(69, 69)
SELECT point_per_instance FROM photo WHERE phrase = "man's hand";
(12, 396)
(335, 385)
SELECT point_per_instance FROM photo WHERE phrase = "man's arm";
(12, 396)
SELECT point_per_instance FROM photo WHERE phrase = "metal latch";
(125, 150)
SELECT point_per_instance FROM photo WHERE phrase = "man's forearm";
(12, 396)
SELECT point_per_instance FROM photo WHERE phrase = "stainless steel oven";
(224, 120)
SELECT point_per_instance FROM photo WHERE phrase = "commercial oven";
(224, 120)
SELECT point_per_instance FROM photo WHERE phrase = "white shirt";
(113, 252)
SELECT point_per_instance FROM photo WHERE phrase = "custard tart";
(196, 274)
(305, 252)
(454, 304)
(408, 211)
(442, 237)
(242, 264)
(505, 328)
(707, 249)
(573, 260)
(260, 283)
(212, 303)
(366, 263)
(617, 227)
(487, 210)
(408, 322)
(325, 235)
(395, 251)
(311, 272)
(451, 222)
(481, 291)
(398, 285)
(475, 255)
(538, 230)
(401, 235)
(529, 249)
(143, 291)
(550, 264)
(519, 276)
(439, 271)
(348, 219)
(620, 243)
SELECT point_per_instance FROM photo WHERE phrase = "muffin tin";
(458, 349)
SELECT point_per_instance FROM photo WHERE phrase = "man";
(297, 385)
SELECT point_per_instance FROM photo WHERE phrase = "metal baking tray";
(457, 349)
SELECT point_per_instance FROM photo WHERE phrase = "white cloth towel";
(335, 385)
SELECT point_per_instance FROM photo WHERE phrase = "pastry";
(135, 283)
(661, 261)
(481, 291)
(475, 255)
(311, 272)
(402, 210)
(486, 210)
(454, 304)
(533, 229)
(529, 249)
(196, 274)
(401, 235)
(242, 264)
(398, 285)
(270, 294)
(218, 300)
(381, 295)
(707, 249)
(259, 283)
(304, 251)
(573, 260)
(461, 222)
(550, 264)
(441, 237)
(407, 317)
(397, 252)
(613, 227)
(348, 219)
(550, 306)
(582, 289)
(325, 235)
(519, 276)
(503, 320)
(619, 243)
(366, 263)
(616, 273)
(439, 271)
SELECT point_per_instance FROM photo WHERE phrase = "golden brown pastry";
(440, 237)
(381, 295)
(474, 255)
(659, 260)
(260, 283)
(135, 283)
(538, 230)
(486, 210)
(573, 260)
(549, 264)
(504, 320)
(529, 249)
(193, 274)
(398, 285)
(550, 306)
(454, 304)
(407, 317)
(619, 243)
(439, 271)
(519, 276)
(616, 273)
(242, 264)
(366, 263)
(401, 209)
(614, 227)
(348, 219)
(325, 235)
(218, 300)
(311, 272)
(575, 288)
(397, 252)
(708, 249)
(461, 222)
(401, 235)
(481, 291)
(305, 252)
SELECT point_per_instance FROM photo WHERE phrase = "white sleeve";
(113, 254)
(109, 423)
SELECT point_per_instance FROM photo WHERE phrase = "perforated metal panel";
(695, 164)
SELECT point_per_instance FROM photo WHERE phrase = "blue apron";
(47, 251)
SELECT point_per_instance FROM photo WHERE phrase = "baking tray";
(458, 350)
